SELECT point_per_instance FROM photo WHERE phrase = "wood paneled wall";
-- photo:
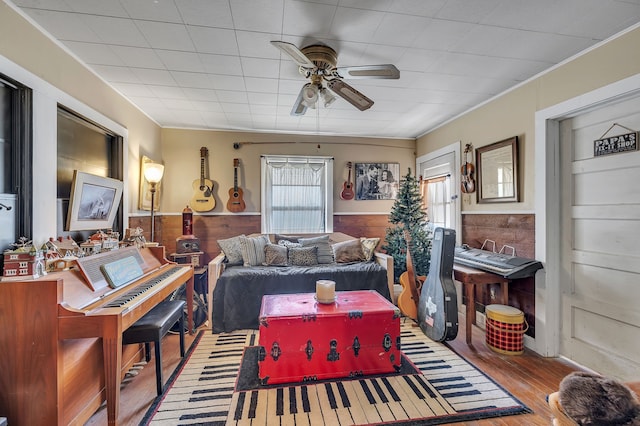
(515, 230)
(209, 229)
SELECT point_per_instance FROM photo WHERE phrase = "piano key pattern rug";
(440, 388)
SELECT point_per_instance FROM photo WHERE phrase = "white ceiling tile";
(205, 95)
(355, 24)
(255, 98)
(117, 31)
(59, 5)
(254, 67)
(214, 40)
(96, 7)
(469, 11)
(166, 36)
(138, 57)
(221, 64)
(167, 92)
(263, 85)
(231, 96)
(257, 45)
(64, 26)
(441, 35)
(417, 7)
(180, 61)
(207, 106)
(94, 53)
(229, 82)
(258, 15)
(207, 13)
(156, 10)
(192, 80)
(133, 90)
(399, 30)
(117, 74)
(158, 77)
(307, 18)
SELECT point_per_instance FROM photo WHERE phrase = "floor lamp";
(153, 174)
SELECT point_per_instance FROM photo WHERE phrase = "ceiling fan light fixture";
(310, 95)
(327, 97)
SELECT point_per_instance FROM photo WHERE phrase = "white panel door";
(600, 282)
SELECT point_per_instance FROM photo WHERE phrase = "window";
(15, 162)
(437, 199)
(297, 194)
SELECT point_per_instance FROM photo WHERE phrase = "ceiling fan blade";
(370, 71)
(299, 108)
(294, 53)
(350, 94)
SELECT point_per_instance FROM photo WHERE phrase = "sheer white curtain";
(297, 194)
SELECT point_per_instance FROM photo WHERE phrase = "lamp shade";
(153, 172)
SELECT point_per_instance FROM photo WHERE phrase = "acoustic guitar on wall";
(236, 202)
(347, 188)
(203, 200)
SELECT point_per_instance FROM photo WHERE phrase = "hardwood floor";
(529, 377)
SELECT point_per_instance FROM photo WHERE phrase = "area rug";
(435, 386)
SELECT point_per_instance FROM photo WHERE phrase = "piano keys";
(435, 391)
(510, 267)
(62, 352)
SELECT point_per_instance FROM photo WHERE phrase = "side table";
(470, 277)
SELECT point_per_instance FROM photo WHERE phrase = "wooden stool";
(152, 328)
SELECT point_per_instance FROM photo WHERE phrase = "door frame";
(455, 180)
(547, 204)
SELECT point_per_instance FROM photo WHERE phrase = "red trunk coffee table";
(303, 340)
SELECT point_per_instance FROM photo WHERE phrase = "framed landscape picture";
(94, 202)
(377, 181)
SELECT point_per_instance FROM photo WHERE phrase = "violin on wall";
(467, 184)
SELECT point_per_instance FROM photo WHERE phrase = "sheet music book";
(121, 271)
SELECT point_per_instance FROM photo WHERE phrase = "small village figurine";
(23, 262)
(135, 237)
(60, 254)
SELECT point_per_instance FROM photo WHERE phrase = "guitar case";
(438, 307)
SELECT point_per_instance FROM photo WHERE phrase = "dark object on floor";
(152, 328)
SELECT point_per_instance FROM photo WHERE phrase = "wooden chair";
(153, 327)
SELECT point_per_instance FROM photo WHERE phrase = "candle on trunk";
(325, 291)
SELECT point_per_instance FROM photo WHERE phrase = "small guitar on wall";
(347, 188)
(235, 203)
(202, 200)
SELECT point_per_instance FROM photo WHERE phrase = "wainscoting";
(209, 229)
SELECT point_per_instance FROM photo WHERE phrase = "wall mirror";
(497, 166)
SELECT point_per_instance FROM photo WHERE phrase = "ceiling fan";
(318, 63)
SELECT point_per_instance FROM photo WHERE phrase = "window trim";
(264, 159)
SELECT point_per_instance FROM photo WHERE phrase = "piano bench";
(153, 327)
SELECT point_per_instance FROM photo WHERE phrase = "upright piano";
(61, 352)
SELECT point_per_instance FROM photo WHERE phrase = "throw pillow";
(292, 238)
(253, 250)
(232, 249)
(325, 253)
(288, 243)
(369, 247)
(348, 251)
(303, 256)
(275, 255)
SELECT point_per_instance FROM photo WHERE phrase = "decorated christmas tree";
(409, 219)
